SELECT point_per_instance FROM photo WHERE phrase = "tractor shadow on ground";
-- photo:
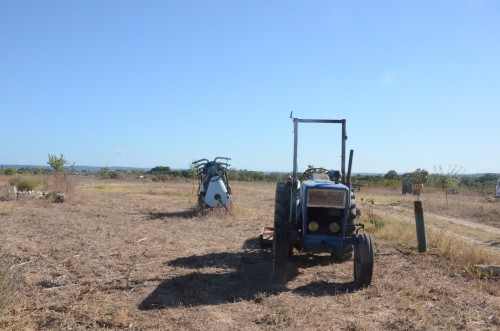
(216, 278)
(191, 213)
(197, 212)
(323, 288)
(219, 278)
(318, 288)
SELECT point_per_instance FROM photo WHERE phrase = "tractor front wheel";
(363, 260)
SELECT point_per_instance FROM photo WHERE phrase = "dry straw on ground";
(139, 256)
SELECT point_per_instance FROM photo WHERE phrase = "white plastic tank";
(216, 193)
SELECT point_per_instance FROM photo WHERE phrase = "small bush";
(28, 183)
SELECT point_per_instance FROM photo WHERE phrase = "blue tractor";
(316, 212)
(214, 190)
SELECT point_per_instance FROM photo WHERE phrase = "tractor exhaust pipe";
(348, 178)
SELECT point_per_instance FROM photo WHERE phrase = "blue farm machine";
(316, 212)
(214, 189)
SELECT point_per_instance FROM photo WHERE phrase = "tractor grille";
(324, 217)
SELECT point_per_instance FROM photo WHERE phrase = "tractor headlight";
(313, 226)
(326, 198)
(334, 227)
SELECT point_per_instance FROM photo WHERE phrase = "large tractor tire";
(281, 238)
(353, 214)
(364, 260)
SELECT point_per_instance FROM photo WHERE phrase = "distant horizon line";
(86, 167)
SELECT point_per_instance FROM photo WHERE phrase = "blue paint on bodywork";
(323, 242)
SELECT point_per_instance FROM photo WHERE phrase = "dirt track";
(481, 234)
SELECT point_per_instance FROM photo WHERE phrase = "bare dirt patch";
(138, 256)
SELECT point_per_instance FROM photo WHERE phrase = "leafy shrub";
(28, 183)
(57, 163)
(10, 171)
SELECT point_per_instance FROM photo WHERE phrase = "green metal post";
(419, 220)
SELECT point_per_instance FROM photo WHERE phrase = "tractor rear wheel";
(364, 260)
(281, 237)
(280, 256)
(353, 214)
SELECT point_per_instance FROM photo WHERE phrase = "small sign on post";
(415, 188)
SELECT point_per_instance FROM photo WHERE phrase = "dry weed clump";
(62, 182)
(402, 234)
(8, 279)
(280, 317)
(460, 255)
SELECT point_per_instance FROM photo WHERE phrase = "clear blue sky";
(148, 83)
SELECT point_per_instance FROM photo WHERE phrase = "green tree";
(160, 171)
(10, 171)
(488, 178)
(447, 181)
(419, 176)
(105, 174)
(391, 174)
(57, 163)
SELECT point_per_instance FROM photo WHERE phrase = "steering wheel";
(308, 173)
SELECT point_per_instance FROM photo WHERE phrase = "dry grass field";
(472, 217)
(136, 256)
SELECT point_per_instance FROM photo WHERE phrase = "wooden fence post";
(419, 220)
